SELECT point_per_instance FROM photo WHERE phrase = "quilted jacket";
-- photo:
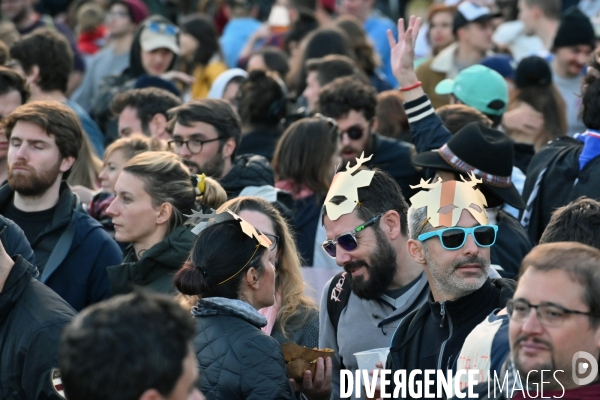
(237, 360)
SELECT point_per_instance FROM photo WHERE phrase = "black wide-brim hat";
(486, 152)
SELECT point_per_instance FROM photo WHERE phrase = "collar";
(444, 61)
(461, 310)
(223, 306)
(591, 147)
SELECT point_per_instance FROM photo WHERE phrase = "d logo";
(580, 367)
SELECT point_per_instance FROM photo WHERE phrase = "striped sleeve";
(418, 109)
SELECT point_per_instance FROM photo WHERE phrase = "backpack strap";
(339, 293)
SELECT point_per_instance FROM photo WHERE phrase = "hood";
(18, 278)
(136, 69)
(247, 170)
(223, 306)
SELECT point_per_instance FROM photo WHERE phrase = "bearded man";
(71, 249)
(365, 219)
(450, 236)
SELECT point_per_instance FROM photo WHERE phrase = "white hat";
(160, 35)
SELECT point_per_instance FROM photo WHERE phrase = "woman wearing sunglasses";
(294, 317)
(305, 161)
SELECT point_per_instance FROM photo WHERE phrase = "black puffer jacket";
(237, 360)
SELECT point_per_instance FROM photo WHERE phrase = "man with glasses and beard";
(206, 135)
(351, 103)
(365, 223)
(72, 250)
(450, 237)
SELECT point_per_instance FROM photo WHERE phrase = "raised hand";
(403, 51)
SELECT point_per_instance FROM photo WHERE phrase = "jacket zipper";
(443, 313)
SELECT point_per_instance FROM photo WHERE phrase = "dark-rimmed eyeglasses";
(347, 241)
(454, 238)
(547, 313)
(274, 240)
(193, 145)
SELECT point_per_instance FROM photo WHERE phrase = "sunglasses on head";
(330, 121)
(159, 27)
(347, 241)
(454, 238)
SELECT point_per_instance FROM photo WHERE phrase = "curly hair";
(50, 52)
(342, 95)
(262, 100)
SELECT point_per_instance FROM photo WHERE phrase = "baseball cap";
(479, 87)
(502, 64)
(468, 12)
(160, 35)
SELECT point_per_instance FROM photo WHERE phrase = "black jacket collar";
(493, 291)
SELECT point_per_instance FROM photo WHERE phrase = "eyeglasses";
(274, 240)
(167, 29)
(193, 145)
(454, 238)
(347, 241)
(548, 314)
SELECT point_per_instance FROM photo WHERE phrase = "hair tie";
(199, 182)
(203, 271)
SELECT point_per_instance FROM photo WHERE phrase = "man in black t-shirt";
(71, 249)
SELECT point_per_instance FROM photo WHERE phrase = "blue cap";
(502, 64)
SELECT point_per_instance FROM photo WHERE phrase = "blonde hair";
(167, 180)
(214, 195)
(289, 283)
(133, 145)
(87, 167)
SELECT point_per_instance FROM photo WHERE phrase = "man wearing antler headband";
(365, 223)
(450, 236)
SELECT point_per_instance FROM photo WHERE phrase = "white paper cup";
(368, 359)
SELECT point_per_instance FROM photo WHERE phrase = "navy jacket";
(394, 157)
(32, 318)
(80, 275)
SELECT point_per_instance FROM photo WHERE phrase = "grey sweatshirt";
(365, 325)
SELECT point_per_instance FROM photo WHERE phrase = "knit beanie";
(575, 29)
(533, 71)
(137, 9)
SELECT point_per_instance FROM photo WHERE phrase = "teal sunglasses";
(454, 238)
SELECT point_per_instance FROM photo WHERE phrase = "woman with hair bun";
(153, 192)
(294, 317)
(231, 273)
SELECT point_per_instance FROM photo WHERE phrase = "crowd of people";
(188, 186)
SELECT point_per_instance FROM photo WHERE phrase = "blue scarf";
(591, 147)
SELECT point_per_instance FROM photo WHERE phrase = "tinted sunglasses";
(347, 241)
(158, 27)
(454, 238)
(354, 132)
